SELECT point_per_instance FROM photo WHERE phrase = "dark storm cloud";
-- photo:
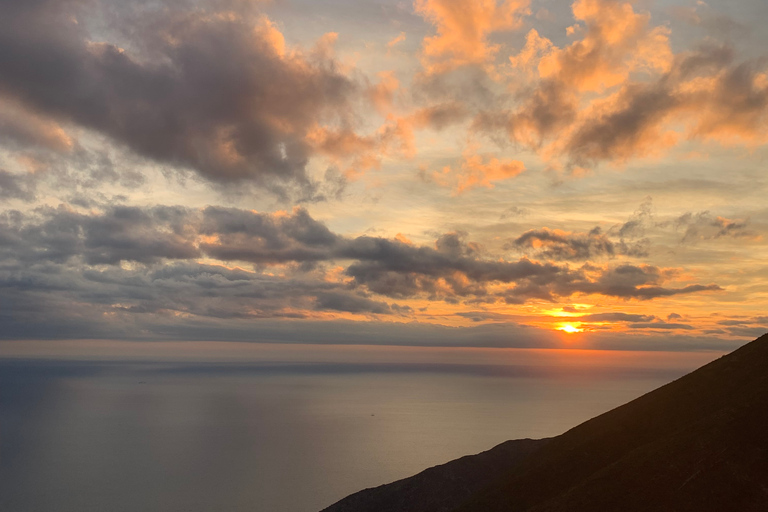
(212, 91)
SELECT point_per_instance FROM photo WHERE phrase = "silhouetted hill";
(440, 488)
(698, 444)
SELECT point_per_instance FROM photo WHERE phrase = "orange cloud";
(618, 41)
(438, 116)
(360, 153)
(397, 39)
(474, 171)
(462, 29)
(269, 33)
(23, 127)
(731, 107)
(535, 48)
(618, 92)
(382, 93)
(615, 43)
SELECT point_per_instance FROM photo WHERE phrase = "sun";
(570, 328)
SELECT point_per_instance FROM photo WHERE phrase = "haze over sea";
(198, 426)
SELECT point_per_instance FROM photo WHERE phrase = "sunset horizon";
(248, 168)
(337, 242)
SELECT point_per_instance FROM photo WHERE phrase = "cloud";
(15, 186)
(563, 245)
(747, 332)
(21, 129)
(705, 226)
(619, 240)
(450, 271)
(463, 27)
(475, 171)
(614, 317)
(359, 153)
(232, 234)
(703, 92)
(484, 316)
(398, 270)
(745, 326)
(513, 211)
(382, 93)
(625, 281)
(216, 91)
(351, 303)
(399, 38)
(535, 48)
(120, 234)
(660, 325)
(638, 222)
(619, 92)
(439, 116)
(625, 125)
(617, 41)
(635, 321)
(216, 262)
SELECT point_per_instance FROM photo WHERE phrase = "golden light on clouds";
(570, 328)
(454, 169)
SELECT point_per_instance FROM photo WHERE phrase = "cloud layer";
(168, 166)
(216, 91)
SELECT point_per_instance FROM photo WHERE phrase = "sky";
(512, 173)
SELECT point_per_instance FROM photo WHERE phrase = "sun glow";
(570, 328)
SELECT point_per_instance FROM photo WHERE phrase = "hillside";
(440, 488)
(698, 444)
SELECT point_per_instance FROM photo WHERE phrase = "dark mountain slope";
(440, 488)
(697, 444)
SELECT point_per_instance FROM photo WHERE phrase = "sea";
(196, 426)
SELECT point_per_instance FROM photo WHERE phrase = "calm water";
(286, 436)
